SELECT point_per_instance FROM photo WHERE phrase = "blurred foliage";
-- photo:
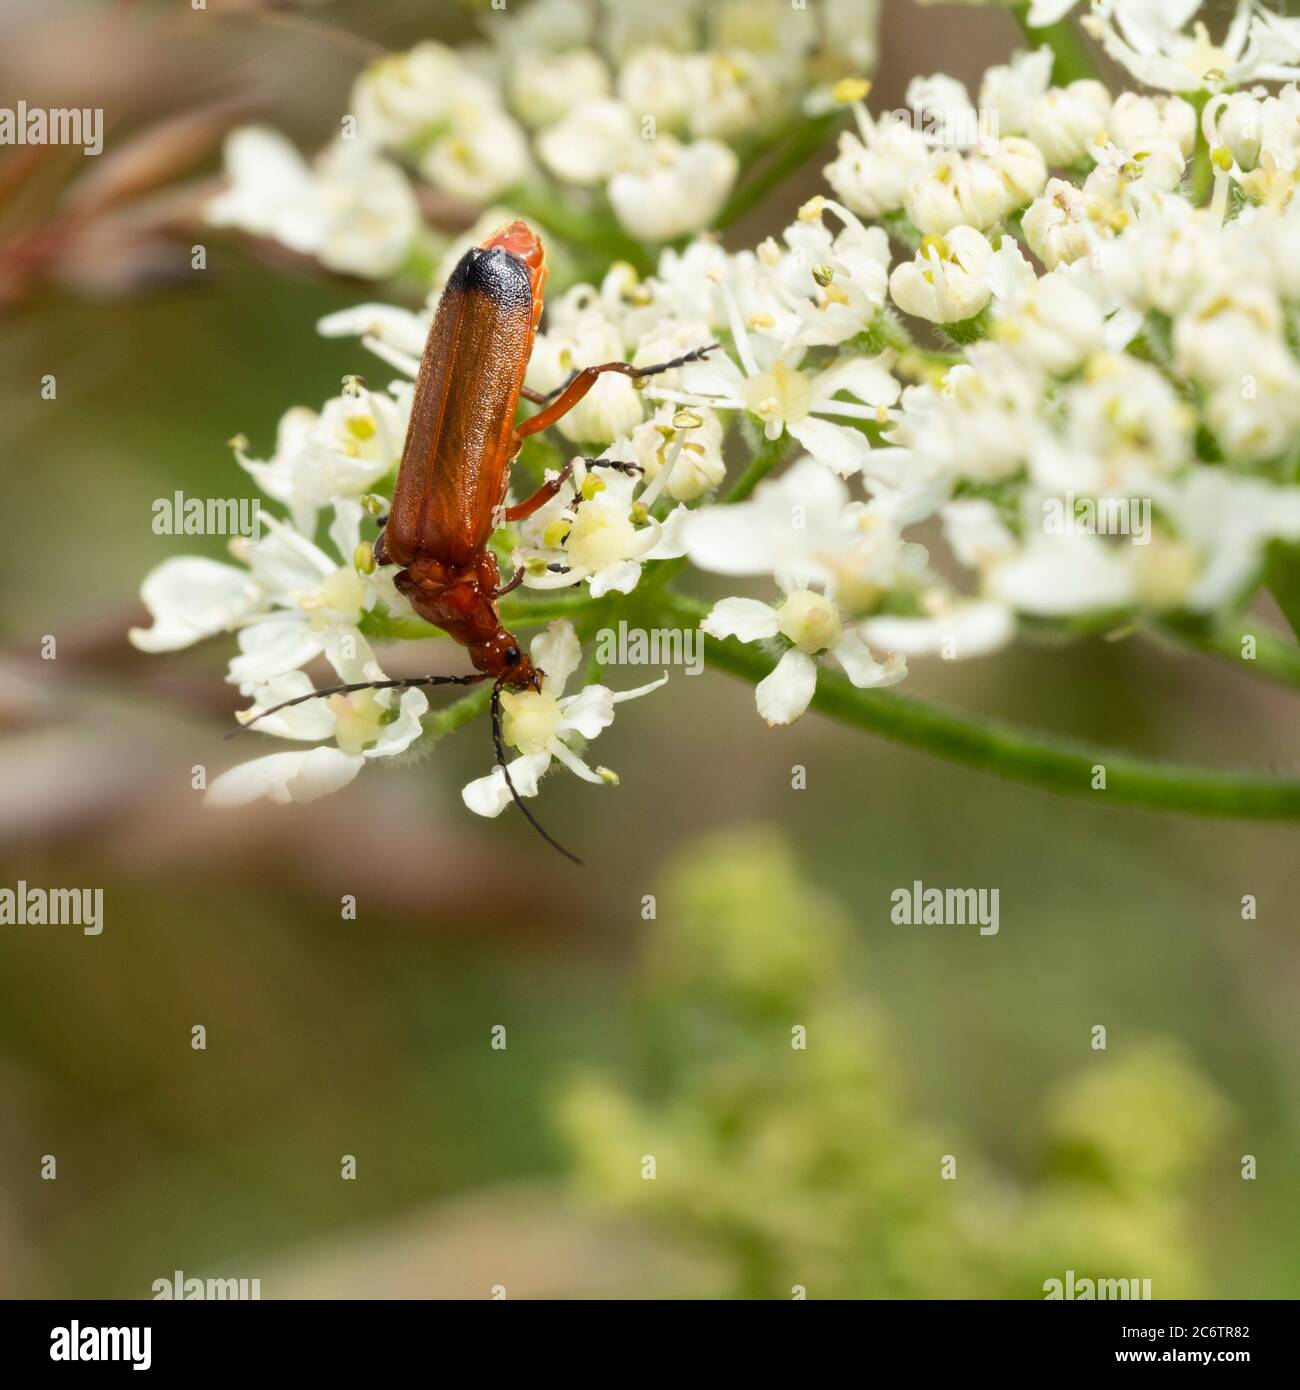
(804, 1165)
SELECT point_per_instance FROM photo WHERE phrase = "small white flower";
(355, 212)
(341, 452)
(835, 282)
(544, 87)
(984, 423)
(680, 189)
(1058, 226)
(980, 189)
(1059, 120)
(542, 725)
(587, 533)
(1136, 117)
(590, 142)
(770, 386)
(731, 93)
(812, 626)
(296, 602)
(1227, 521)
(874, 168)
(1147, 37)
(403, 98)
(1057, 576)
(692, 455)
(1050, 322)
(945, 281)
(365, 724)
(483, 155)
(655, 82)
(802, 525)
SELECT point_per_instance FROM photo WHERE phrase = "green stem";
(1071, 56)
(770, 453)
(790, 154)
(1005, 751)
(1274, 657)
(439, 723)
(386, 627)
(1202, 166)
(1282, 575)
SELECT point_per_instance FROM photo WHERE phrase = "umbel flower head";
(1043, 374)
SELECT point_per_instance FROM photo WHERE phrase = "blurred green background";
(521, 1168)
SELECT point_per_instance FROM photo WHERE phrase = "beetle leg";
(580, 384)
(521, 510)
(515, 582)
(541, 397)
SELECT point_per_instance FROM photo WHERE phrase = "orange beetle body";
(459, 447)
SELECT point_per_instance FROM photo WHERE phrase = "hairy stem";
(769, 455)
(438, 723)
(1273, 657)
(1006, 751)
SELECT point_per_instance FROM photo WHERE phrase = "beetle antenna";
(404, 683)
(499, 746)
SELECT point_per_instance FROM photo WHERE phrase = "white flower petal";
(302, 775)
(784, 695)
(862, 668)
(191, 598)
(565, 755)
(588, 712)
(745, 618)
(489, 796)
(968, 629)
(273, 646)
(308, 722)
(557, 652)
(398, 736)
(619, 578)
(840, 448)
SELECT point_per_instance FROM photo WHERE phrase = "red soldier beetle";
(455, 468)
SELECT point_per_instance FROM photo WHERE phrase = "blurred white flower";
(544, 87)
(365, 724)
(956, 631)
(679, 189)
(355, 212)
(591, 141)
(1149, 38)
(480, 158)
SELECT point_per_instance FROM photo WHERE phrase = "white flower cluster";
(1104, 427)
(647, 104)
